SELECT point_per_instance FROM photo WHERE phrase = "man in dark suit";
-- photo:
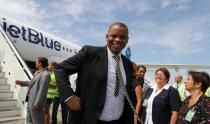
(96, 100)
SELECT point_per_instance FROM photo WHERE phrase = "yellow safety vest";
(181, 90)
(52, 92)
(208, 92)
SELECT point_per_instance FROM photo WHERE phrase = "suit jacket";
(91, 64)
(37, 91)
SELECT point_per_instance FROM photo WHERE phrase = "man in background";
(37, 92)
(180, 87)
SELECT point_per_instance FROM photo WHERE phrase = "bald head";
(118, 24)
(178, 78)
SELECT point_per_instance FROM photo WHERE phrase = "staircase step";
(8, 103)
(1, 74)
(12, 120)
(10, 112)
(8, 108)
(6, 94)
(4, 87)
(3, 80)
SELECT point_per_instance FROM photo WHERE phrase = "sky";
(160, 31)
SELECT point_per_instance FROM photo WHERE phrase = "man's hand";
(36, 106)
(74, 103)
(17, 82)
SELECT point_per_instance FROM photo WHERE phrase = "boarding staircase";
(10, 113)
(12, 97)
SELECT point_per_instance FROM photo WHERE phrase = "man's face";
(117, 38)
(178, 79)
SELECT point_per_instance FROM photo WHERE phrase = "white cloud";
(70, 8)
(182, 4)
(178, 4)
(140, 6)
(95, 14)
(182, 37)
(26, 11)
(165, 3)
(30, 12)
(84, 10)
(182, 7)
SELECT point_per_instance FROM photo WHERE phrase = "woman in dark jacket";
(161, 102)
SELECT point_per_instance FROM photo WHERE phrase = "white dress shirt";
(114, 106)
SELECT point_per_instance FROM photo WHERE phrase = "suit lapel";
(36, 76)
(104, 56)
(127, 69)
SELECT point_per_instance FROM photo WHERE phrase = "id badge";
(145, 102)
(190, 115)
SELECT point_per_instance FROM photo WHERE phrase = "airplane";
(32, 43)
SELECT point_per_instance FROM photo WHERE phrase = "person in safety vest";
(52, 91)
(208, 92)
(180, 87)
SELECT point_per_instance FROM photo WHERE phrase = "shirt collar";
(166, 86)
(110, 54)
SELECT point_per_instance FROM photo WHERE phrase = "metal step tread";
(9, 108)
(7, 99)
(6, 92)
(8, 119)
(2, 75)
(4, 84)
(5, 89)
(3, 78)
(8, 102)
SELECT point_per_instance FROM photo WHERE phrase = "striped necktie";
(120, 82)
(117, 72)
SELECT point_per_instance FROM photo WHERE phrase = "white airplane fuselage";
(32, 43)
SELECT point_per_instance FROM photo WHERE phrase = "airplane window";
(67, 49)
(70, 50)
(63, 48)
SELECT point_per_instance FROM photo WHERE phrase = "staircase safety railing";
(15, 68)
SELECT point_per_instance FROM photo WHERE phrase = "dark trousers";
(108, 122)
(64, 110)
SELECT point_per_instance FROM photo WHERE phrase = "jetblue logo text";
(30, 35)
